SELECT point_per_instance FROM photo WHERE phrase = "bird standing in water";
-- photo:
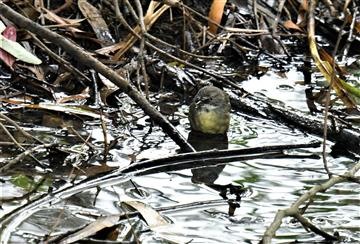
(209, 116)
(209, 112)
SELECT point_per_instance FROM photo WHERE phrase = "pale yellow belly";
(211, 122)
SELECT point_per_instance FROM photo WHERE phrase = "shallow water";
(271, 184)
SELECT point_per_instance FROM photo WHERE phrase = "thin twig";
(7, 132)
(23, 155)
(327, 103)
(142, 47)
(18, 128)
(67, 66)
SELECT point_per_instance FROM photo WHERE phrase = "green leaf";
(351, 89)
(18, 51)
(23, 181)
(28, 183)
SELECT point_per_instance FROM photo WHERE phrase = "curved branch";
(294, 211)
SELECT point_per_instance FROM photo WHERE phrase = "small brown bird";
(209, 112)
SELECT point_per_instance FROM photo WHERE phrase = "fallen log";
(341, 133)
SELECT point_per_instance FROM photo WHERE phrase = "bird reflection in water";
(208, 175)
(203, 142)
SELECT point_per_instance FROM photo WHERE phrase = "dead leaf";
(150, 215)
(96, 21)
(326, 68)
(215, 15)
(157, 223)
(77, 97)
(64, 108)
(328, 58)
(36, 70)
(108, 88)
(91, 229)
(302, 14)
(288, 24)
(154, 11)
(65, 22)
